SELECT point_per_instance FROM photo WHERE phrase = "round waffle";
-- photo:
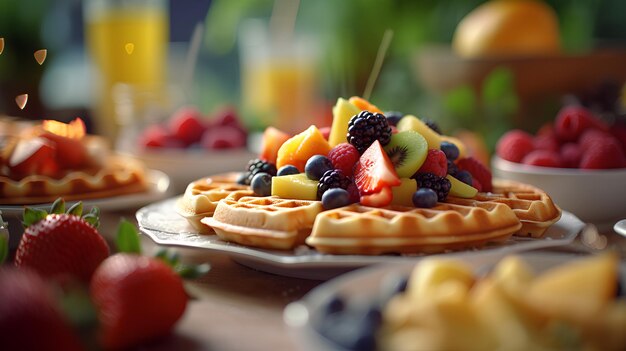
(357, 229)
(201, 198)
(117, 176)
(533, 206)
(266, 222)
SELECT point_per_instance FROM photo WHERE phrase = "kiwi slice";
(407, 151)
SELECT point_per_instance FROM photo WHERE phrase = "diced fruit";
(364, 105)
(514, 145)
(342, 113)
(325, 132)
(375, 171)
(593, 280)
(410, 122)
(407, 151)
(295, 186)
(226, 116)
(335, 198)
(603, 155)
(33, 156)
(255, 166)
(465, 177)
(365, 128)
(287, 170)
(571, 154)
(440, 185)
(431, 274)
(403, 193)
(299, 148)
(379, 199)
(344, 156)
(158, 136)
(273, 138)
(450, 149)
(261, 184)
(460, 189)
(186, 125)
(331, 179)
(543, 158)
(223, 137)
(572, 121)
(460, 145)
(316, 166)
(435, 163)
(71, 152)
(478, 171)
(424, 198)
(513, 274)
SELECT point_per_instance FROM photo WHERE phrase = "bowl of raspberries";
(579, 159)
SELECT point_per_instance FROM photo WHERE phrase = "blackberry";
(367, 127)
(333, 178)
(439, 184)
(432, 125)
(257, 166)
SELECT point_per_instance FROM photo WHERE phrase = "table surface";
(234, 307)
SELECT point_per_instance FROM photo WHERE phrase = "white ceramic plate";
(364, 285)
(161, 223)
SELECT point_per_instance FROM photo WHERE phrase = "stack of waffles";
(235, 214)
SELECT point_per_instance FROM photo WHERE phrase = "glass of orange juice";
(279, 78)
(127, 41)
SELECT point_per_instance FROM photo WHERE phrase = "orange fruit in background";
(508, 28)
(364, 105)
(476, 146)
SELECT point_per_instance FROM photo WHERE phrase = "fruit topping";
(186, 125)
(407, 151)
(331, 179)
(33, 156)
(316, 166)
(460, 189)
(364, 105)
(261, 184)
(379, 199)
(478, 171)
(432, 125)
(440, 185)
(409, 122)
(435, 163)
(298, 149)
(295, 186)
(335, 198)
(374, 171)
(514, 145)
(344, 156)
(273, 138)
(287, 170)
(451, 150)
(425, 198)
(342, 113)
(257, 166)
(465, 177)
(367, 127)
(403, 193)
(393, 117)
(544, 158)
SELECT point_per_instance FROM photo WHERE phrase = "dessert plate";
(164, 226)
(365, 284)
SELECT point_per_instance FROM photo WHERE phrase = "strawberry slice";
(379, 199)
(374, 171)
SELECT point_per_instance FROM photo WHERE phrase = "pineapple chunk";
(403, 193)
(343, 111)
(295, 186)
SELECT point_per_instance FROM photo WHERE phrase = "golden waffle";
(117, 176)
(266, 222)
(357, 229)
(533, 206)
(201, 198)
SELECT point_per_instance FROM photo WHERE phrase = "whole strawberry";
(138, 298)
(29, 315)
(61, 244)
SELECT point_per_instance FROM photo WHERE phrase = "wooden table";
(238, 308)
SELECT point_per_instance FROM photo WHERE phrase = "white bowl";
(595, 196)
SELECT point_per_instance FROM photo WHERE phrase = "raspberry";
(603, 155)
(478, 171)
(572, 121)
(158, 136)
(439, 184)
(546, 129)
(514, 145)
(619, 132)
(543, 158)
(344, 156)
(365, 128)
(546, 142)
(476, 184)
(332, 179)
(186, 125)
(435, 163)
(223, 137)
(590, 138)
(571, 153)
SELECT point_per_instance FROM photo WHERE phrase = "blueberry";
(352, 329)
(335, 198)
(241, 178)
(465, 177)
(334, 305)
(287, 170)
(452, 168)
(425, 198)
(451, 150)
(316, 166)
(261, 184)
(393, 117)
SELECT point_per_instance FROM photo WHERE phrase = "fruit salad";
(444, 304)
(188, 128)
(576, 139)
(367, 156)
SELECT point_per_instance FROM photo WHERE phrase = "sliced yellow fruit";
(460, 189)
(343, 111)
(410, 122)
(403, 193)
(295, 186)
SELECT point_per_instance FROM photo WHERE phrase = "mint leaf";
(58, 206)
(33, 215)
(127, 239)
